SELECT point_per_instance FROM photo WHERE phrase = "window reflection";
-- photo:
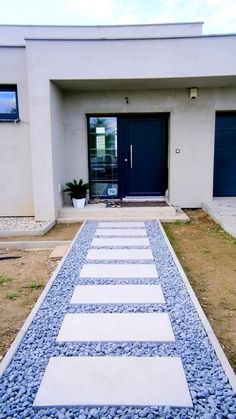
(103, 157)
(8, 102)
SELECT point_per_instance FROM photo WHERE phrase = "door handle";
(131, 155)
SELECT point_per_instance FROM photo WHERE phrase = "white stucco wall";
(15, 162)
(58, 149)
(176, 58)
(191, 129)
(41, 149)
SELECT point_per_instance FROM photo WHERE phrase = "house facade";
(146, 110)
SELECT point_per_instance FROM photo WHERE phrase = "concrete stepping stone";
(58, 252)
(120, 241)
(119, 254)
(119, 224)
(117, 294)
(114, 381)
(121, 232)
(116, 327)
(109, 270)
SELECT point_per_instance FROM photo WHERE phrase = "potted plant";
(77, 191)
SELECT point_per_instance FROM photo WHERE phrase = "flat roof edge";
(103, 26)
(133, 38)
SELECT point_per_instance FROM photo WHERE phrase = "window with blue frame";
(8, 103)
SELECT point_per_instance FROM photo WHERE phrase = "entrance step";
(114, 381)
(100, 212)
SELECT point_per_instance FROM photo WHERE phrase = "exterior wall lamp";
(193, 93)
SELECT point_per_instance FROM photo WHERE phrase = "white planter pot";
(78, 203)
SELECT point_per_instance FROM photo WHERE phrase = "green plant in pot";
(77, 191)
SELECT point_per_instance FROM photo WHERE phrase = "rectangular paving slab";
(129, 270)
(119, 224)
(120, 241)
(116, 327)
(117, 294)
(120, 232)
(119, 254)
(114, 381)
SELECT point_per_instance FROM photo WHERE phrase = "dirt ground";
(208, 256)
(206, 252)
(22, 281)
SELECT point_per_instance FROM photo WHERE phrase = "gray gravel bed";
(212, 395)
(23, 224)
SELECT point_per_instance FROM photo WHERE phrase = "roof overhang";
(146, 84)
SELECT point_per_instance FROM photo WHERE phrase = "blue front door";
(143, 154)
(225, 155)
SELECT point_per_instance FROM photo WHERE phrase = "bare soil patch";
(58, 232)
(208, 256)
(23, 280)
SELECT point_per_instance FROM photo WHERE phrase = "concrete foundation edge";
(230, 230)
(22, 245)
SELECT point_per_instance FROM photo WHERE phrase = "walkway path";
(223, 211)
(117, 336)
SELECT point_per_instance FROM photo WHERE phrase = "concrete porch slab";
(99, 212)
(223, 211)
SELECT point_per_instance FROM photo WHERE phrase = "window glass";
(8, 103)
(103, 157)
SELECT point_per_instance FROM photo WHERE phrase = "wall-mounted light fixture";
(193, 93)
(126, 99)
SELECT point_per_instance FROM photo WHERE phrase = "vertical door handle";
(131, 156)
